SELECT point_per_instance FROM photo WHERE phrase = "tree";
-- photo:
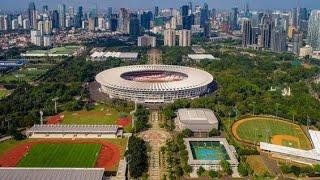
(187, 133)
(141, 118)
(201, 171)
(213, 132)
(226, 167)
(213, 174)
(244, 169)
(137, 157)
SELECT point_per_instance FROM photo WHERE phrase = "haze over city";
(141, 4)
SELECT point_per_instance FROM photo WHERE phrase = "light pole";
(55, 104)
(41, 117)
(254, 103)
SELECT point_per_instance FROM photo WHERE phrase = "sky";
(149, 4)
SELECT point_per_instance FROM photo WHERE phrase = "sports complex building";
(155, 83)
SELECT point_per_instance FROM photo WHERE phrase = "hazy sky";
(220, 4)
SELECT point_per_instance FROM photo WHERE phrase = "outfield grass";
(6, 145)
(99, 115)
(263, 129)
(61, 155)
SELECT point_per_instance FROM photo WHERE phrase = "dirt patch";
(108, 158)
(55, 119)
(123, 122)
(281, 139)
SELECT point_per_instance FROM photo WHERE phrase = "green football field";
(61, 155)
(99, 115)
(270, 130)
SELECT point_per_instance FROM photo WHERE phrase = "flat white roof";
(73, 128)
(315, 138)
(309, 154)
(195, 116)
(114, 54)
(51, 173)
(201, 56)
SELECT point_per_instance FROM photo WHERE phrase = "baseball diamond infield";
(272, 130)
(105, 154)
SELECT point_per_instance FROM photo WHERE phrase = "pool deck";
(191, 161)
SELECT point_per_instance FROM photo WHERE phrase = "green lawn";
(6, 145)
(263, 129)
(3, 93)
(99, 115)
(61, 155)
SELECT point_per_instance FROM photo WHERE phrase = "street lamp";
(55, 104)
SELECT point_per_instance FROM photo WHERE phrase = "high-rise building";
(314, 29)
(31, 13)
(184, 37)
(156, 11)
(265, 30)
(246, 32)
(278, 40)
(3, 23)
(134, 25)
(92, 24)
(190, 11)
(45, 8)
(185, 10)
(62, 16)
(55, 19)
(101, 23)
(26, 24)
(123, 21)
(169, 37)
(204, 15)
(146, 18)
(47, 26)
(14, 24)
(47, 41)
(295, 17)
(147, 41)
(297, 43)
(234, 19)
(109, 12)
(113, 22)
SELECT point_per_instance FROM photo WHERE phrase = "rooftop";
(201, 56)
(51, 173)
(73, 128)
(196, 116)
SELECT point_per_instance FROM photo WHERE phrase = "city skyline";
(147, 4)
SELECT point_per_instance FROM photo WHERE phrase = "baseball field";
(271, 130)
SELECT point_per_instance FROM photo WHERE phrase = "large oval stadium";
(155, 83)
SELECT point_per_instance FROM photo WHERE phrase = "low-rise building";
(200, 57)
(197, 120)
(147, 41)
(102, 56)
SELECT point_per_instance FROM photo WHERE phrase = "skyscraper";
(266, 29)
(55, 19)
(234, 19)
(314, 29)
(31, 13)
(62, 16)
(246, 32)
(295, 17)
(134, 25)
(297, 43)
(169, 37)
(156, 11)
(146, 18)
(123, 21)
(204, 15)
(278, 40)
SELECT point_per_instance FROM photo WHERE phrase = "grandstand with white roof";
(297, 155)
(74, 131)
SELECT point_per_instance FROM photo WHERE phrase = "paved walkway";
(156, 137)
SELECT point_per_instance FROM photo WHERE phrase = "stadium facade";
(155, 83)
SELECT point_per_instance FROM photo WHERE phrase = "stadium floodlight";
(55, 104)
(41, 117)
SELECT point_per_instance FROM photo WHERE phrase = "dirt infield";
(108, 157)
(281, 139)
(55, 119)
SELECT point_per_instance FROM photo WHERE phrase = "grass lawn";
(3, 93)
(257, 164)
(99, 115)
(263, 129)
(61, 155)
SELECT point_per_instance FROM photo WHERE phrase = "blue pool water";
(208, 151)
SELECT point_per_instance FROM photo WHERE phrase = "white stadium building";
(155, 83)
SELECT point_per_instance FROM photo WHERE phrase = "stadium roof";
(309, 154)
(73, 128)
(195, 78)
(51, 173)
(315, 138)
(201, 56)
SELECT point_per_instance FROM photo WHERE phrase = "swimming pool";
(208, 150)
